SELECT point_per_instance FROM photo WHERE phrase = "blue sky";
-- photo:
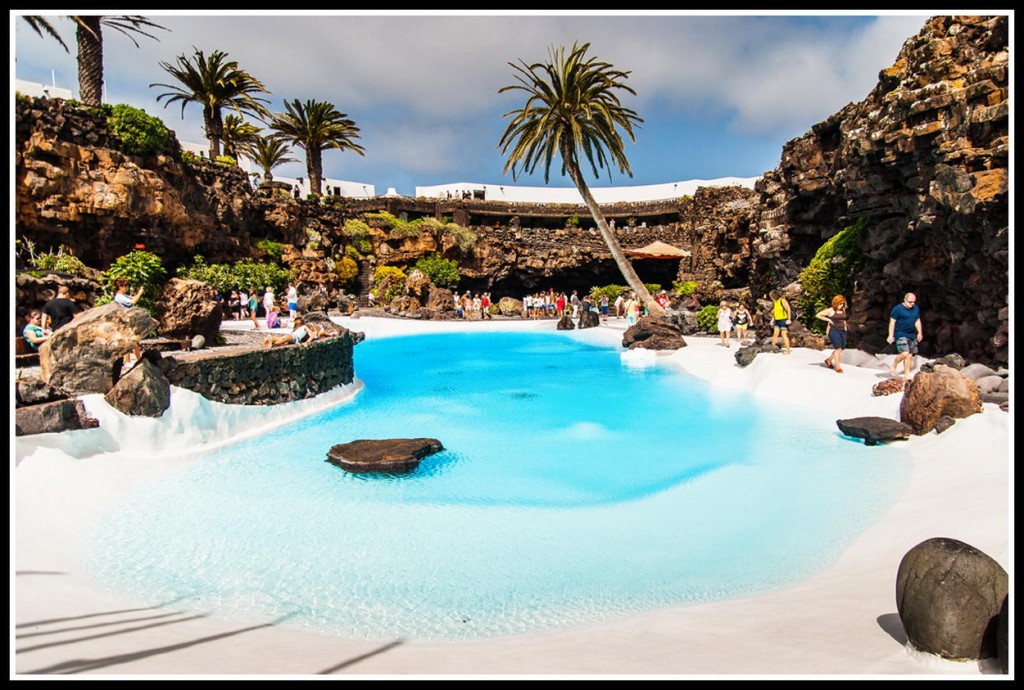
(720, 94)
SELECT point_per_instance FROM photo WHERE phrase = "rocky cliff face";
(74, 187)
(924, 160)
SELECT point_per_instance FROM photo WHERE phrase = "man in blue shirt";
(905, 331)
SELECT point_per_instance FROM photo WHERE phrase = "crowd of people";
(733, 317)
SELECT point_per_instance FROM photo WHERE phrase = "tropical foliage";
(707, 318)
(444, 273)
(215, 83)
(138, 268)
(140, 133)
(268, 153)
(573, 111)
(315, 126)
(239, 137)
(63, 260)
(388, 283)
(831, 272)
(241, 275)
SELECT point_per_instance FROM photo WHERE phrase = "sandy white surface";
(841, 622)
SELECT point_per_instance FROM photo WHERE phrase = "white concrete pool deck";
(841, 622)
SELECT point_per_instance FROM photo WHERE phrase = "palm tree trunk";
(315, 170)
(628, 272)
(90, 60)
(214, 130)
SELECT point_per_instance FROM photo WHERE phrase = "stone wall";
(267, 376)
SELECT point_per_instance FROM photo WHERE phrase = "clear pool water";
(572, 490)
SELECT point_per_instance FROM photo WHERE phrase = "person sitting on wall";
(301, 333)
(33, 332)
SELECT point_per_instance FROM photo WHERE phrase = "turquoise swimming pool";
(572, 490)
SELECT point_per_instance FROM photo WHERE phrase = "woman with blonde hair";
(835, 316)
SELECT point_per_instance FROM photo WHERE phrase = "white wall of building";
(36, 90)
(569, 195)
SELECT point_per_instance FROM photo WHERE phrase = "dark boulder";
(393, 456)
(51, 417)
(949, 596)
(565, 323)
(874, 430)
(589, 319)
(142, 392)
(653, 333)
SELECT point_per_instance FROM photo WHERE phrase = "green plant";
(347, 269)
(612, 291)
(271, 248)
(652, 287)
(444, 273)
(218, 276)
(189, 158)
(707, 318)
(572, 221)
(139, 269)
(831, 272)
(62, 261)
(229, 161)
(684, 288)
(464, 238)
(250, 274)
(140, 134)
(388, 282)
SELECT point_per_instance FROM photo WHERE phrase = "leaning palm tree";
(315, 126)
(239, 136)
(214, 82)
(89, 35)
(268, 153)
(573, 110)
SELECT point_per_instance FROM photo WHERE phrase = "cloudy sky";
(719, 94)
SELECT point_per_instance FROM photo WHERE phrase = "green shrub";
(684, 288)
(217, 276)
(252, 275)
(62, 261)
(226, 160)
(347, 270)
(139, 269)
(444, 273)
(464, 238)
(140, 134)
(190, 158)
(613, 291)
(707, 318)
(831, 272)
(388, 283)
(271, 248)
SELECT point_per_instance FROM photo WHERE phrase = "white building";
(570, 195)
(36, 90)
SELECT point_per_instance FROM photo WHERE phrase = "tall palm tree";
(573, 110)
(89, 35)
(316, 126)
(268, 153)
(214, 82)
(239, 136)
